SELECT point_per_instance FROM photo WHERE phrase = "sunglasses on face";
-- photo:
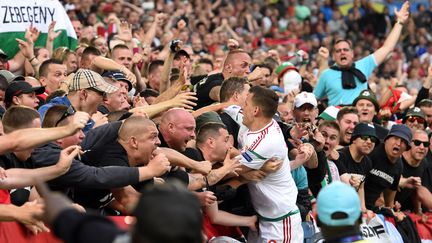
(419, 120)
(418, 142)
(67, 113)
(366, 137)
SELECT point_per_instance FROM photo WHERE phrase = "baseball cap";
(118, 76)
(338, 204)
(367, 95)
(85, 78)
(10, 77)
(305, 98)
(207, 117)
(181, 53)
(284, 67)
(415, 111)
(364, 129)
(401, 131)
(21, 87)
(3, 54)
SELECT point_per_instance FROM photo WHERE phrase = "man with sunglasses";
(86, 92)
(353, 163)
(413, 167)
(415, 119)
(344, 81)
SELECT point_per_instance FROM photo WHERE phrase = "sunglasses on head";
(415, 118)
(97, 91)
(418, 142)
(365, 138)
(67, 113)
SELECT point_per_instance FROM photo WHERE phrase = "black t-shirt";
(232, 127)
(427, 173)
(346, 164)
(203, 88)
(383, 175)
(381, 131)
(18, 196)
(404, 196)
(103, 150)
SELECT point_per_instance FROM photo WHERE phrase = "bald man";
(236, 64)
(177, 128)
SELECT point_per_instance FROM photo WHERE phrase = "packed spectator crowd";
(215, 119)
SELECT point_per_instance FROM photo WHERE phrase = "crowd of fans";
(205, 116)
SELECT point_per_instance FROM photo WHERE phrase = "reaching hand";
(233, 165)
(66, 157)
(272, 165)
(160, 19)
(185, 100)
(28, 215)
(254, 175)
(203, 167)
(51, 33)
(79, 121)
(233, 44)
(26, 47)
(206, 198)
(125, 31)
(323, 54)
(403, 13)
(159, 165)
(99, 119)
(32, 33)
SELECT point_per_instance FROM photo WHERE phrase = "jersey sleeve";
(252, 159)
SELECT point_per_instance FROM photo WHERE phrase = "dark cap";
(118, 76)
(10, 77)
(367, 95)
(364, 129)
(181, 53)
(3, 54)
(415, 111)
(21, 87)
(401, 131)
(207, 117)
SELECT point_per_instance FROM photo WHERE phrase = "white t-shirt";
(276, 194)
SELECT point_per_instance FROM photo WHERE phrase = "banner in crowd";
(16, 16)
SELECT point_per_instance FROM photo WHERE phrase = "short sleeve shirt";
(330, 83)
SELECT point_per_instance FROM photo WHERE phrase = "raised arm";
(32, 137)
(18, 178)
(392, 39)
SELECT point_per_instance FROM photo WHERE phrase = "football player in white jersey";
(274, 198)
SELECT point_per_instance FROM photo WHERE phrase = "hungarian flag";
(17, 15)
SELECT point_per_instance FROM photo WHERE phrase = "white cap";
(305, 98)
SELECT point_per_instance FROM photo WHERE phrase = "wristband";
(399, 22)
(31, 59)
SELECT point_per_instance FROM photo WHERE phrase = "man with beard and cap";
(344, 81)
(415, 119)
(353, 163)
(386, 169)
(367, 106)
